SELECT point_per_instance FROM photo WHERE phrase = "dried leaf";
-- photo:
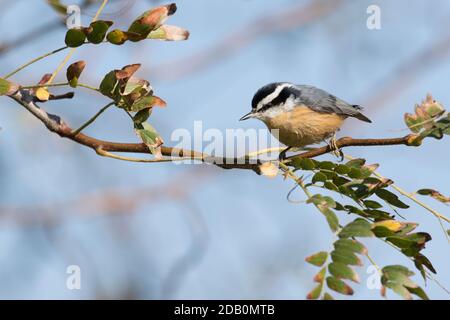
(268, 169)
(151, 20)
(74, 71)
(169, 33)
(434, 194)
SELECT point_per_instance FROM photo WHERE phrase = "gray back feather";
(321, 101)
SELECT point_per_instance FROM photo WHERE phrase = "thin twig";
(33, 61)
(91, 120)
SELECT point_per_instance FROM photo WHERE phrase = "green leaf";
(150, 137)
(396, 277)
(97, 31)
(108, 85)
(319, 177)
(304, 163)
(340, 181)
(377, 214)
(390, 198)
(327, 165)
(345, 256)
(324, 204)
(332, 219)
(418, 292)
(331, 186)
(420, 260)
(355, 173)
(327, 296)
(317, 259)
(372, 204)
(320, 276)
(75, 37)
(7, 88)
(382, 232)
(142, 116)
(322, 201)
(342, 271)
(356, 163)
(339, 286)
(350, 245)
(315, 293)
(342, 169)
(397, 269)
(141, 104)
(58, 6)
(357, 228)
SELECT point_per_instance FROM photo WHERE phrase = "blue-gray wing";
(321, 101)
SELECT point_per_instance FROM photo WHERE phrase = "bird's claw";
(332, 144)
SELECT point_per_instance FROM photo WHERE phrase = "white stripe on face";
(272, 96)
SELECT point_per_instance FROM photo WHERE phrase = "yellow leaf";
(389, 224)
(268, 169)
(42, 94)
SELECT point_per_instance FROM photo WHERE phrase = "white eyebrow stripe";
(272, 96)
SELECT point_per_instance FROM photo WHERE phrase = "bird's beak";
(247, 116)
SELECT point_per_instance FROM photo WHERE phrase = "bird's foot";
(282, 155)
(332, 144)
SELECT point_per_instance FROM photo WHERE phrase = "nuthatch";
(302, 114)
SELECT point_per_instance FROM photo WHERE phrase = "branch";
(57, 125)
(408, 140)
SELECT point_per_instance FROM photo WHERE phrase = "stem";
(374, 263)
(61, 65)
(91, 120)
(62, 84)
(439, 216)
(83, 85)
(104, 153)
(100, 10)
(33, 61)
(263, 151)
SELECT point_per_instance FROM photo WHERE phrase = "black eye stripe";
(282, 97)
(263, 92)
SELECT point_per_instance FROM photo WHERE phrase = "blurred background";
(155, 231)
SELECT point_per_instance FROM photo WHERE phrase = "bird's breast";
(302, 126)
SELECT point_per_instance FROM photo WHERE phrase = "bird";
(301, 115)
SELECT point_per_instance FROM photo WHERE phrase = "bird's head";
(271, 100)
